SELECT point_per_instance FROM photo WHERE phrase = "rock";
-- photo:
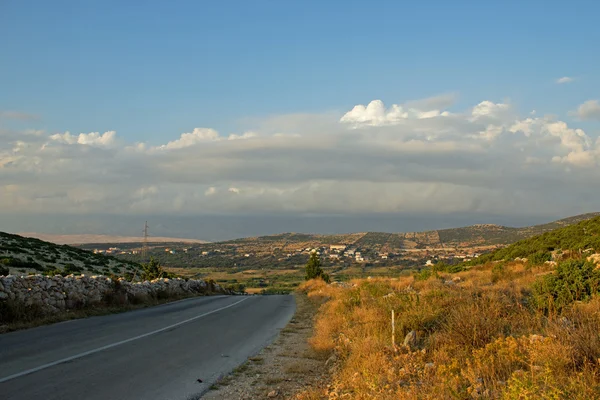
(410, 340)
(58, 292)
(272, 393)
(331, 360)
(536, 338)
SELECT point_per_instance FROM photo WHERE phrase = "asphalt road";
(154, 353)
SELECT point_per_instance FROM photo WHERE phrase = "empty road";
(154, 353)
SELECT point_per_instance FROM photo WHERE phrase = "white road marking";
(109, 346)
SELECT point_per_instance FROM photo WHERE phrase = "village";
(182, 254)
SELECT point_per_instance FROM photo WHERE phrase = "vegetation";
(507, 330)
(152, 270)
(573, 280)
(579, 238)
(30, 255)
(314, 270)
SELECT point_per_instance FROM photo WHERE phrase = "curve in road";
(154, 353)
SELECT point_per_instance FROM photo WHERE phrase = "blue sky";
(357, 111)
(155, 69)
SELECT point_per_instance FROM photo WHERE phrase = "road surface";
(154, 353)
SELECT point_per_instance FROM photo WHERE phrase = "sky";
(234, 118)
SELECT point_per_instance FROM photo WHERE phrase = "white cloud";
(588, 110)
(564, 79)
(245, 135)
(198, 135)
(403, 158)
(489, 109)
(376, 114)
(107, 139)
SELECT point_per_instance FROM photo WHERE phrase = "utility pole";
(145, 243)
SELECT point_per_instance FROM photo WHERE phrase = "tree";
(314, 270)
(152, 270)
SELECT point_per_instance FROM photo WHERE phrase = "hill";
(582, 236)
(89, 238)
(23, 255)
(465, 237)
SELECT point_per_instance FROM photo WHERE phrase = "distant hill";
(88, 238)
(464, 237)
(23, 255)
(580, 236)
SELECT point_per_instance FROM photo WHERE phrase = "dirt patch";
(288, 366)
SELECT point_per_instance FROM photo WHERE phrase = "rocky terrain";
(24, 255)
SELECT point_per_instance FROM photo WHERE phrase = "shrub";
(314, 270)
(539, 258)
(573, 280)
(14, 311)
(72, 269)
(423, 275)
(3, 270)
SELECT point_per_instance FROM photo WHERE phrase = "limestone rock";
(410, 340)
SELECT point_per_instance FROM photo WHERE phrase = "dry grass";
(477, 337)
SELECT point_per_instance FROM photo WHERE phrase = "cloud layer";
(416, 157)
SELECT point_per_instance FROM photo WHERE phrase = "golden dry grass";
(478, 337)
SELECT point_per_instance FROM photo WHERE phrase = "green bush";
(573, 280)
(16, 263)
(441, 266)
(423, 275)
(539, 258)
(72, 269)
(3, 270)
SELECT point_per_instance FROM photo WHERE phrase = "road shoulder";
(280, 370)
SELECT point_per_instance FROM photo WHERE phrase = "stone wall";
(60, 293)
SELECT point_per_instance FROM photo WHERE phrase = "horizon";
(229, 234)
(232, 119)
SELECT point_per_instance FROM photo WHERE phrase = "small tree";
(314, 270)
(152, 270)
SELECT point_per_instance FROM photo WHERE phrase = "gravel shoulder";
(281, 370)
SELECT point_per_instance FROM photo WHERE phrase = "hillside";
(464, 237)
(24, 255)
(583, 236)
(89, 238)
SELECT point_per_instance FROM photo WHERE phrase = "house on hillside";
(337, 247)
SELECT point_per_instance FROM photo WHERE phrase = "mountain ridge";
(466, 236)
